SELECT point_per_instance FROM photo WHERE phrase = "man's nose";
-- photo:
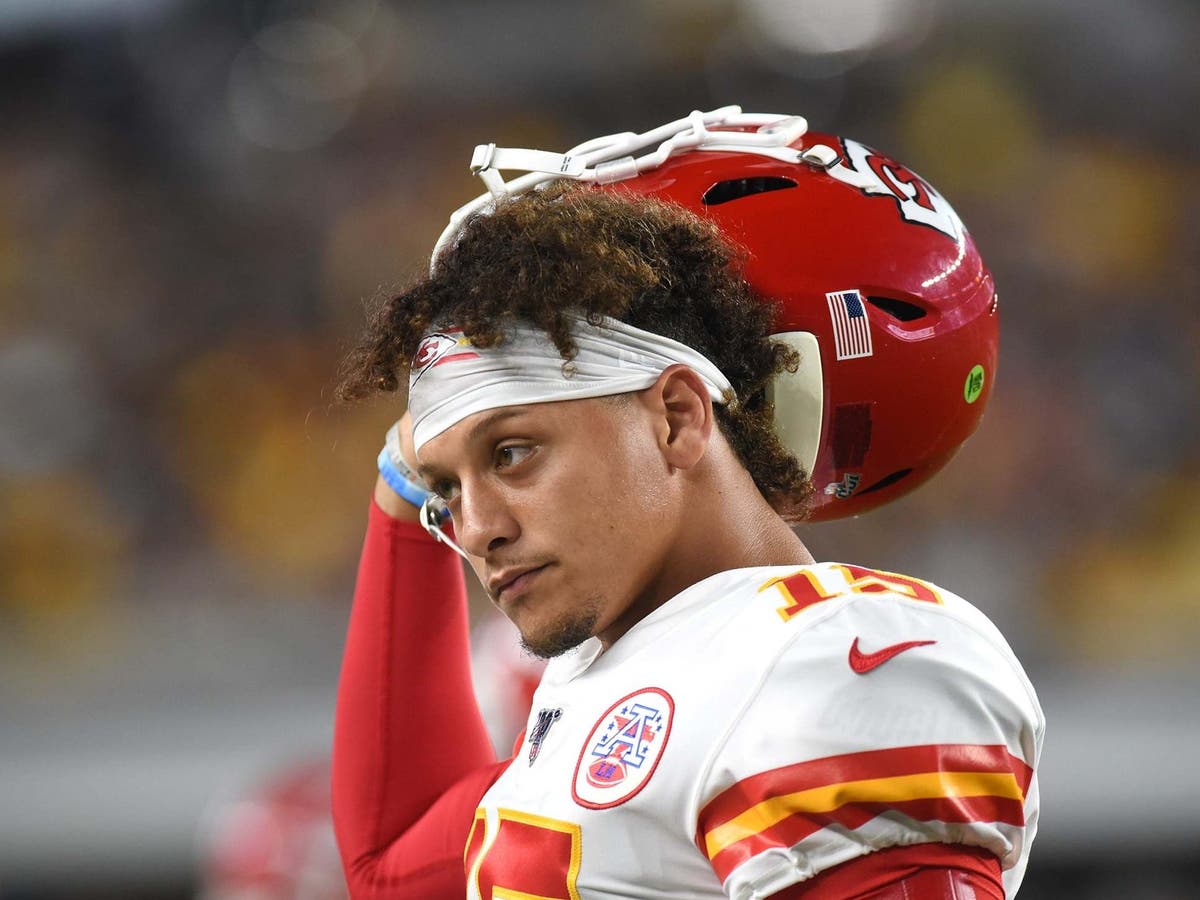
(485, 521)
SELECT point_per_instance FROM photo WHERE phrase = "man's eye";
(446, 490)
(510, 455)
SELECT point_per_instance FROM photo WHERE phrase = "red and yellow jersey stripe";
(953, 783)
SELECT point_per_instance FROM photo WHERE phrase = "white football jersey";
(757, 729)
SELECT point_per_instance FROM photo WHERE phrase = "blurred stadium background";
(197, 196)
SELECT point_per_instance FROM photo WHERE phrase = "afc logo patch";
(623, 749)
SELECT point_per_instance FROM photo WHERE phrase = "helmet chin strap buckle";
(482, 157)
(821, 157)
(487, 160)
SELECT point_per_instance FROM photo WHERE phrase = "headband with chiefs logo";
(452, 379)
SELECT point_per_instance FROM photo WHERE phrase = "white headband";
(452, 379)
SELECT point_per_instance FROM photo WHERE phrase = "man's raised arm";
(411, 755)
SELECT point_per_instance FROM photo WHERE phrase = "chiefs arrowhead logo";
(440, 347)
(873, 173)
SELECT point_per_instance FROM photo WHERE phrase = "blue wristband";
(413, 493)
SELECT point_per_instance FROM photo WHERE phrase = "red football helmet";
(878, 284)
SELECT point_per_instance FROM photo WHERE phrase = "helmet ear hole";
(898, 309)
(756, 401)
(737, 188)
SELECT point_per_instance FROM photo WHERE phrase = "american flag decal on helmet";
(851, 327)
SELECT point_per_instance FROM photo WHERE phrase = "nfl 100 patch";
(623, 749)
(546, 718)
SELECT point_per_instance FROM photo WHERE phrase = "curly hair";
(572, 249)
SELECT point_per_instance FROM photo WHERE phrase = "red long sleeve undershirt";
(412, 759)
(411, 756)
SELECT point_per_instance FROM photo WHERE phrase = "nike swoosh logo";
(862, 663)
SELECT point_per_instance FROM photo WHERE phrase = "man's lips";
(513, 580)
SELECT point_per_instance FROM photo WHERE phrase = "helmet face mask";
(875, 282)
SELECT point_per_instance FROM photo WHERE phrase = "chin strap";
(611, 158)
(433, 516)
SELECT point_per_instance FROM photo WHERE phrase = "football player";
(627, 377)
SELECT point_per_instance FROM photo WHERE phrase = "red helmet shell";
(868, 236)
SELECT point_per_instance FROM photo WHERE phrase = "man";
(590, 381)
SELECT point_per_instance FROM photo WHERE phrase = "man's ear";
(685, 415)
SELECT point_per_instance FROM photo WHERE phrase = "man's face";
(562, 507)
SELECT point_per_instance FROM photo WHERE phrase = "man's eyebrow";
(428, 472)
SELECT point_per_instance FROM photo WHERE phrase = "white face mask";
(452, 379)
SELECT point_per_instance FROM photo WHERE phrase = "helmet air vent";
(737, 188)
(885, 481)
(898, 309)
